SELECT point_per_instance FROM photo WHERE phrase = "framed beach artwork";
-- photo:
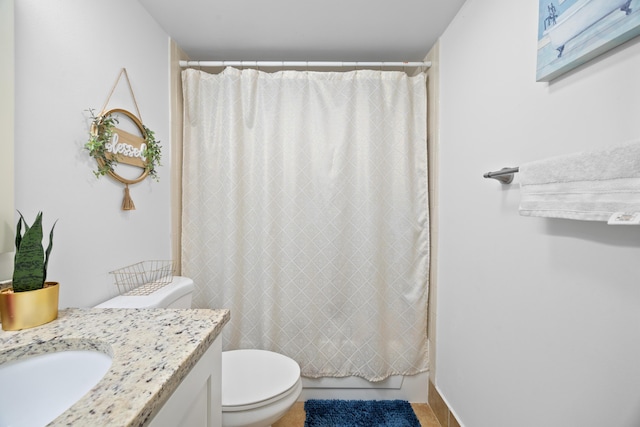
(572, 32)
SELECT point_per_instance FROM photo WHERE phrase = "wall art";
(572, 32)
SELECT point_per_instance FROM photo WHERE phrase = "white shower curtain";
(305, 213)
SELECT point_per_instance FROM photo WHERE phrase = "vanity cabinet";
(197, 401)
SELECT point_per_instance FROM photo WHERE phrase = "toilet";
(258, 386)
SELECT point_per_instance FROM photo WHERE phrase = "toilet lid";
(252, 376)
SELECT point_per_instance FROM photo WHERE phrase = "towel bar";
(504, 175)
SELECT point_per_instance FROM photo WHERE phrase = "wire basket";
(143, 278)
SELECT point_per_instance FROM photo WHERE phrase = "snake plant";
(31, 259)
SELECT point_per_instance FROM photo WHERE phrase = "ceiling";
(304, 30)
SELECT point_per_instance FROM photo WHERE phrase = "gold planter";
(24, 310)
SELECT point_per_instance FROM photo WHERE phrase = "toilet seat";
(254, 378)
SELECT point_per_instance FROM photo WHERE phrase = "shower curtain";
(305, 213)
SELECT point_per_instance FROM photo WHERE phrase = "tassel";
(127, 203)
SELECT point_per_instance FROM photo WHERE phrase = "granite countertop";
(152, 351)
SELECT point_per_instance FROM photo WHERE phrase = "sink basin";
(37, 389)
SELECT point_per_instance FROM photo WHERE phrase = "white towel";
(590, 185)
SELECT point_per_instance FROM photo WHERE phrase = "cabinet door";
(197, 402)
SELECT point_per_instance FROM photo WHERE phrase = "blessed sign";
(127, 148)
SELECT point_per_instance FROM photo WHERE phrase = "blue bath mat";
(359, 413)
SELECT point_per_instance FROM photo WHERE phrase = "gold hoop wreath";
(125, 148)
(110, 145)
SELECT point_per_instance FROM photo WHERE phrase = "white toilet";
(258, 386)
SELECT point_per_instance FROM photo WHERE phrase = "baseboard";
(439, 406)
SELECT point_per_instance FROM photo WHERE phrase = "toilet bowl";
(258, 386)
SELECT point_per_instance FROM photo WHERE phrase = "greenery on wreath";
(101, 134)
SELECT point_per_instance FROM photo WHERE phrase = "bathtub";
(579, 17)
(413, 388)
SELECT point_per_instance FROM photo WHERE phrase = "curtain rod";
(336, 64)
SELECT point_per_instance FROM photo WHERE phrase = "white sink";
(37, 389)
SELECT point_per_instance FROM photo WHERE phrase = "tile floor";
(295, 416)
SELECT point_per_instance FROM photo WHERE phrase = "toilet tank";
(177, 294)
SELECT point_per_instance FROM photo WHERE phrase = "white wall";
(538, 319)
(68, 56)
(6, 127)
